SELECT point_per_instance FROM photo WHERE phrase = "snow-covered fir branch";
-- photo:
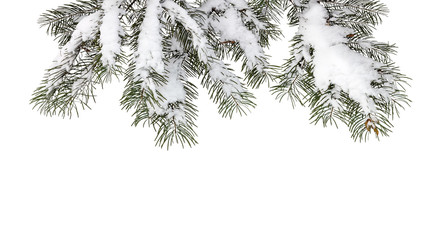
(339, 71)
(163, 48)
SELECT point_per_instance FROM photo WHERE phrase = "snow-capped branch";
(149, 54)
(86, 30)
(198, 35)
(231, 27)
(334, 62)
(111, 31)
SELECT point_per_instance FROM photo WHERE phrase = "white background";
(270, 175)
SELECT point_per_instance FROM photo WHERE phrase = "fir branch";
(162, 46)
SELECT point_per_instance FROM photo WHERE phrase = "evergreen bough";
(160, 48)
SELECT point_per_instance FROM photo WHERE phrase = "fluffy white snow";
(110, 31)
(173, 91)
(335, 63)
(149, 55)
(231, 28)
